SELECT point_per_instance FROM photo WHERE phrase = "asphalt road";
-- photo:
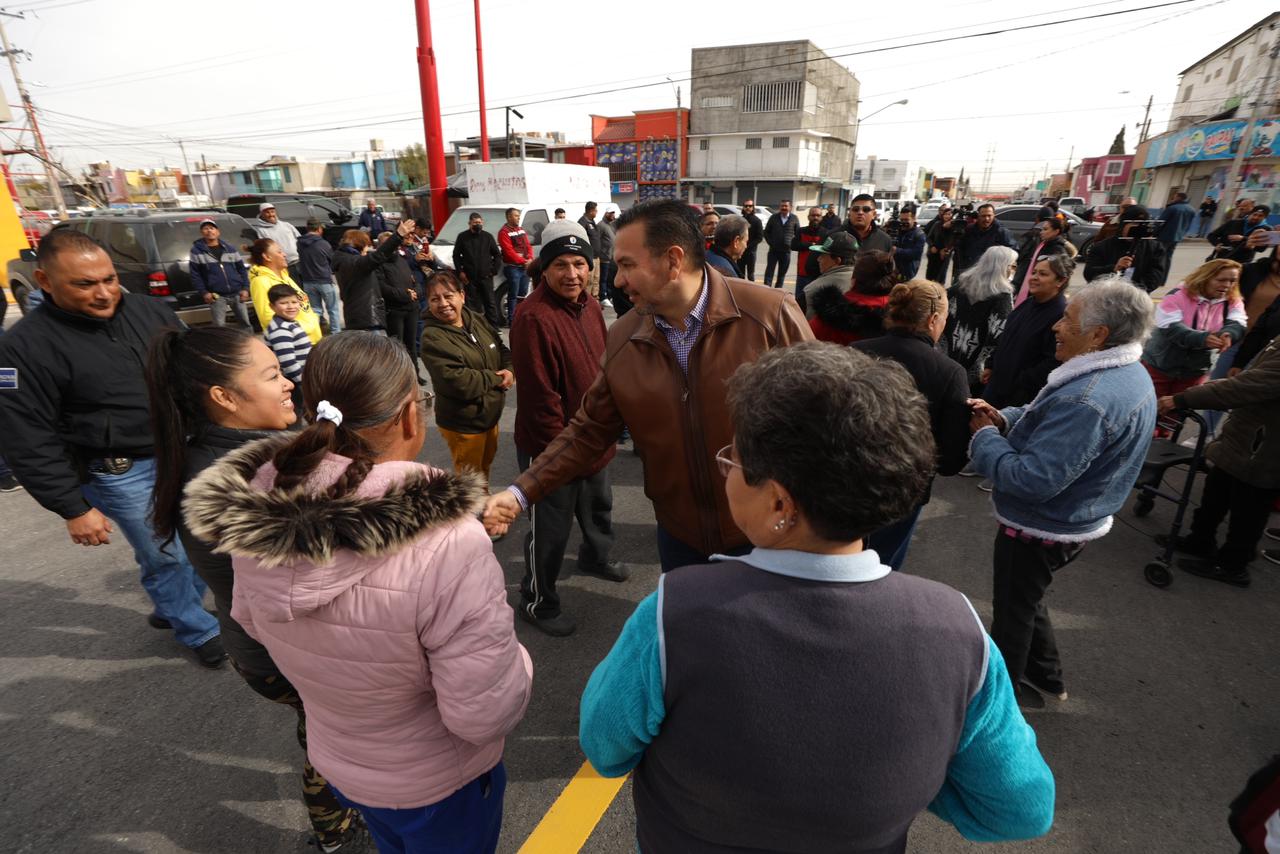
(115, 740)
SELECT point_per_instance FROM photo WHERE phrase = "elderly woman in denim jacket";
(1061, 466)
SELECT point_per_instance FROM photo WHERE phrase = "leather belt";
(110, 465)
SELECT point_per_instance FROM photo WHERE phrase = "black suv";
(296, 209)
(151, 251)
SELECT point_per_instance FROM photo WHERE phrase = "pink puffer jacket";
(386, 609)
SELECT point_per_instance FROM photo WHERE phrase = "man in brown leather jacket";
(664, 373)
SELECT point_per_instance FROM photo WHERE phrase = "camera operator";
(908, 243)
(1134, 253)
(941, 237)
(1240, 239)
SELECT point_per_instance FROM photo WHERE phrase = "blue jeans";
(673, 553)
(324, 299)
(608, 270)
(517, 287)
(892, 541)
(167, 575)
(5, 471)
(467, 821)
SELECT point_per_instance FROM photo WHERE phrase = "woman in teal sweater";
(804, 697)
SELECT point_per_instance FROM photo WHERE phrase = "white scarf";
(1087, 363)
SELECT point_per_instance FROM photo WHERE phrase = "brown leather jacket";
(676, 423)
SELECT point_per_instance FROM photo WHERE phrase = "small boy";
(286, 337)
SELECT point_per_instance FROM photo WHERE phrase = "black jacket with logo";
(81, 393)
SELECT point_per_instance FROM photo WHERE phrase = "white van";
(533, 218)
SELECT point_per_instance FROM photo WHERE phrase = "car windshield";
(174, 238)
(458, 222)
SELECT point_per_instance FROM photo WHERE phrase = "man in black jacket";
(755, 234)
(588, 223)
(1140, 259)
(477, 259)
(980, 237)
(400, 294)
(315, 266)
(779, 231)
(75, 418)
(861, 223)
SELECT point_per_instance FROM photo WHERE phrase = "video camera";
(1143, 229)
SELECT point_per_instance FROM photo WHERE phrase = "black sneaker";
(1272, 555)
(156, 621)
(558, 626)
(1187, 545)
(1215, 572)
(9, 483)
(211, 654)
(1057, 692)
(356, 840)
(1027, 697)
(611, 570)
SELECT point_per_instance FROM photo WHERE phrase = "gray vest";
(803, 716)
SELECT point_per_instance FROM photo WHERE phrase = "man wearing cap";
(315, 270)
(557, 344)
(663, 376)
(219, 275)
(268, 225)
(835, 263)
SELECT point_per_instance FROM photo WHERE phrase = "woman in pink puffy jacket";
(372, 583)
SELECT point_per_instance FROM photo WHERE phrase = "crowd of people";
(788, 452)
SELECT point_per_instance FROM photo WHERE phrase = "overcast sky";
(240, 80)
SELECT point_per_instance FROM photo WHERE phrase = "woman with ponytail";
(214, 389)
(372, 583)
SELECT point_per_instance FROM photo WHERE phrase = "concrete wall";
(828, 104)
(729, 156)
(1222, 80)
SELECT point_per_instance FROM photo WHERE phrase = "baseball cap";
(207, 221)
(840, 244)
(265, 206)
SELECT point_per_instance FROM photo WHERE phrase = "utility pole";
(431, 117)
(484, 122)
(31, 118)
(1145, 128)
(1260, 104)
(679, 144)
(187, 167)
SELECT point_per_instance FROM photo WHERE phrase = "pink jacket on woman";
(386, 609)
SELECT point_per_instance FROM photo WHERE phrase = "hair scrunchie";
(326, 411)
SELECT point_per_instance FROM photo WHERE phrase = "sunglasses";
(725, 462)
(862, 209)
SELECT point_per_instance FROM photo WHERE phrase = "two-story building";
(770, 122)
(1102, 180)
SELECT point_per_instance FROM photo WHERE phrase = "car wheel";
(1083, 249)
(19, 291)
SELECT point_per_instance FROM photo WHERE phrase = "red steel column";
(431, 117)
(484, 122)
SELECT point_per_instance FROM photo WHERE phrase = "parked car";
(736, 210)
(1103, 213)
(1073, 204)
(297, 208)
(1017, 219)
(151, 251)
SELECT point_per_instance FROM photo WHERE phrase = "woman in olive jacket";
(470, 372)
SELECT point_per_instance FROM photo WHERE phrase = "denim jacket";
(1069, 458)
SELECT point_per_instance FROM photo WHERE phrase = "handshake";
(983, 414)
(500, 510)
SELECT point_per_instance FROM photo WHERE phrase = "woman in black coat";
(914, 320)
(400, 296)
(941, 237)
(1047, 238)
(355, 265)
(1024, 356)
(214, 389)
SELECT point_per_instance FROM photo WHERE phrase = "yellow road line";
(567, 825)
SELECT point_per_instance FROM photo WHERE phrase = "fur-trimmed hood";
(848, 313)
(233, 505)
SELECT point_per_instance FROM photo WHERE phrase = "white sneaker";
(968, 471)
(985, 486)
(607, 302)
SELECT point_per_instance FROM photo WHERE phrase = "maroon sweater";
(556, 350)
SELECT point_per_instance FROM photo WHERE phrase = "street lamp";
(519, 115)
(857, 126)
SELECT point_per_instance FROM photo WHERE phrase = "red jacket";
(514, 244)
(848, 317)
(556, 351)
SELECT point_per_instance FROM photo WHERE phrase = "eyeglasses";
(862, 209)
(725, 462)
(425, 399)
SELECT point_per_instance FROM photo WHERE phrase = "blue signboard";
(1216, 141)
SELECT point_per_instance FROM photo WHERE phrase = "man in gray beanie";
(557, 343)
